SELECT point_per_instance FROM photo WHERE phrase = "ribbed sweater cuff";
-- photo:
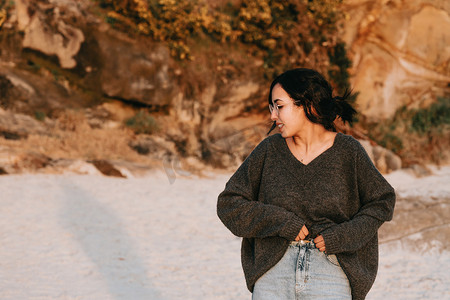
(331, 239)
(292, 228)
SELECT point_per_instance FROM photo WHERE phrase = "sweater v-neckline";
(317, 158)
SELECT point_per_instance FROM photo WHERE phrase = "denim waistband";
(303, 243)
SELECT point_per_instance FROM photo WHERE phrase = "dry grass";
(71, 137)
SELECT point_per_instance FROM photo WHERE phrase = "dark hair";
(309, 89)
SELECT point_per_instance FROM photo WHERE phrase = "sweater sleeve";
(377, 200)
(241, 212)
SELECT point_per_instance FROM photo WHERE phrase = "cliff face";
(59, 55)
(64, 54)
(400, 52)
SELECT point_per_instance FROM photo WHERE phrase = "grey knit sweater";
(340, 195)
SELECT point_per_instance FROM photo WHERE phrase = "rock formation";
(400, 52)
(135, 70)
(46, 29)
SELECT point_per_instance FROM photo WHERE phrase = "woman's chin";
(284, 134)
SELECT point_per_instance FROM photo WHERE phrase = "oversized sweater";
(339, 195)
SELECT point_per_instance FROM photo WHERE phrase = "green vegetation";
(340, 63)
(142, 122)
(417, 134)
(284, 33)
(5, 6)
(434, 118)
(168, 20)
(3, 16)
(39, 115)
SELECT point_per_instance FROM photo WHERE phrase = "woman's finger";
(320, 243)
(305, 230)
(318, 239)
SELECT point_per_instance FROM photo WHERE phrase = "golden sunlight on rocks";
(400, 52)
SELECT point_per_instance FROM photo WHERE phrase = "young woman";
(308, 201)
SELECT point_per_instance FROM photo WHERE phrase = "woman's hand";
(320, 243)
(302, 234)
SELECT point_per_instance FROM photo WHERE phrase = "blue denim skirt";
(303, 273)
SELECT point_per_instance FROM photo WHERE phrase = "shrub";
(417, 134)
(435, 117)
(3, 16)
(5, 7)
(169, 20)
(39, 115)
(281, 33)
(339, 65)
(142, 122)
(288, 32)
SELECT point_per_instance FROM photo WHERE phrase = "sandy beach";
(95, 237)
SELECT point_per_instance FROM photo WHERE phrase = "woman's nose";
(274, 115)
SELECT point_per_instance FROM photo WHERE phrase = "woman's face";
(290, 118)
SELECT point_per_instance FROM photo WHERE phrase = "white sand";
(415, 274)
(95, 237)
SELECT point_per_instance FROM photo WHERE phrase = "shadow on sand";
(99, 232)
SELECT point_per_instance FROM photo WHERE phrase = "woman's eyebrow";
(276, 100)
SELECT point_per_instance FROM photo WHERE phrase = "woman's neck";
(311, 138)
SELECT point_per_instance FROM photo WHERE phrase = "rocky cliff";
(400, 53)
(81, 80)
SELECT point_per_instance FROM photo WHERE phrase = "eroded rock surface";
(50, 32)
(222, 121)
(400, 52)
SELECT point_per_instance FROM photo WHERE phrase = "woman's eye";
(279, 106)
